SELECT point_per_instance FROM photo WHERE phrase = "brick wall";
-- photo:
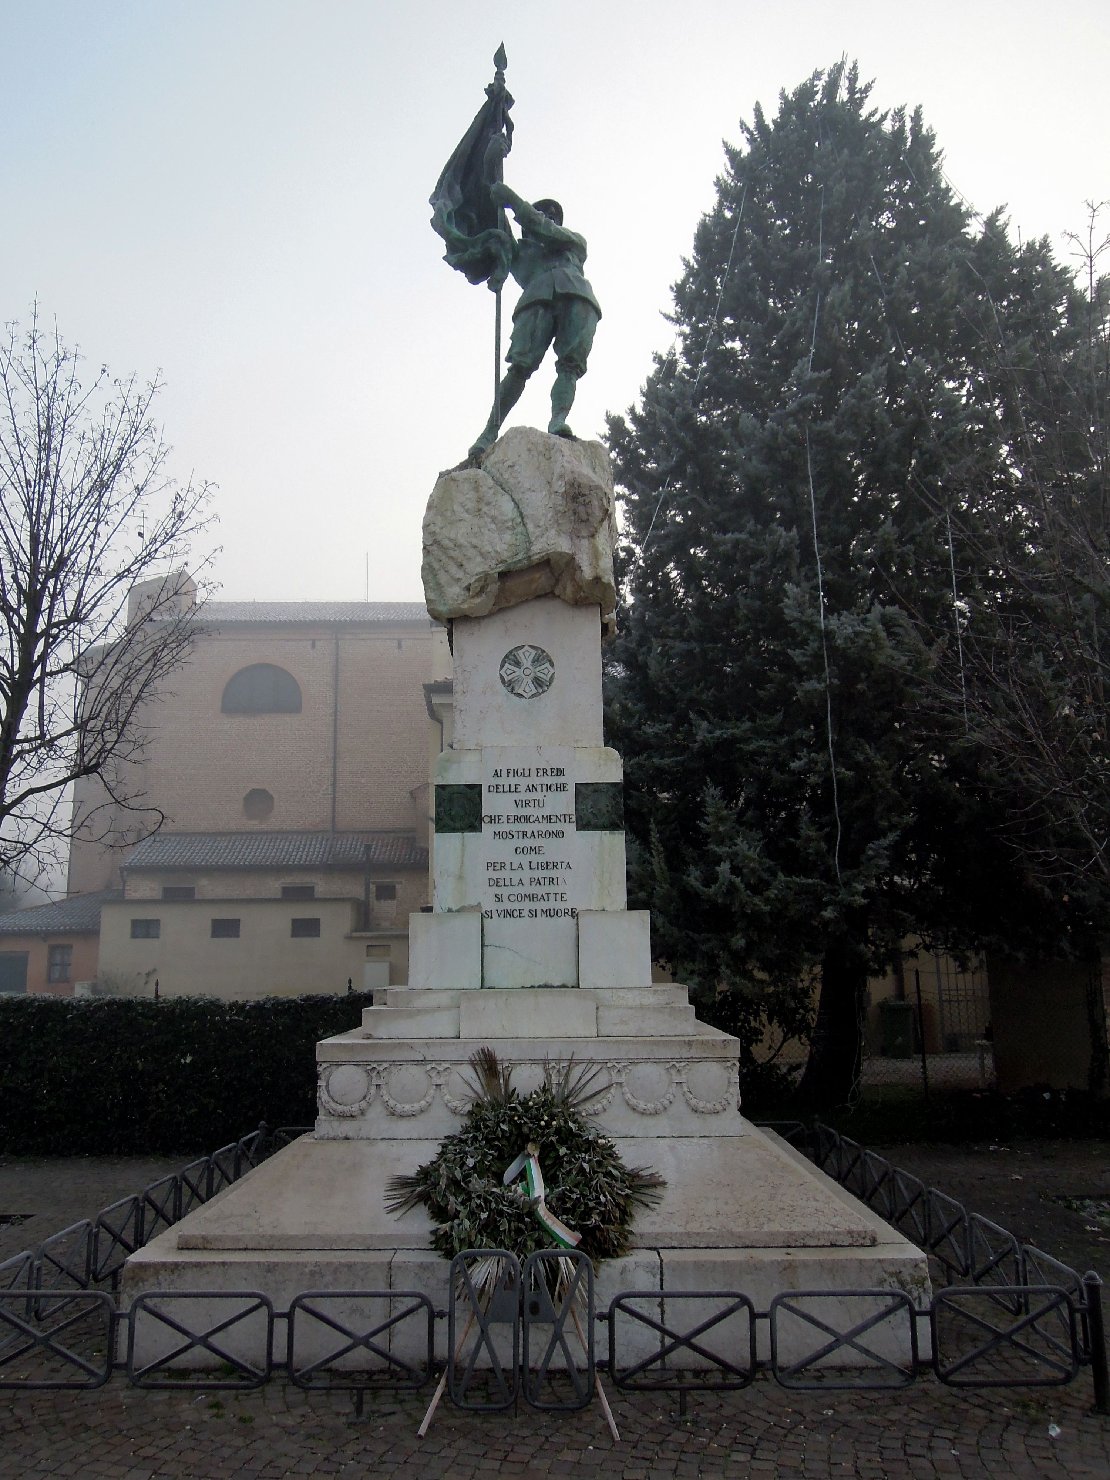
(359, 751)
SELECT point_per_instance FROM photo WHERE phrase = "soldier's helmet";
(551, 209)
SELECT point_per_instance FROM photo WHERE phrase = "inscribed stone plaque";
(535, 880)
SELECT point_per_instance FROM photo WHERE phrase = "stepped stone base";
(406, 1072)
(742, 1213)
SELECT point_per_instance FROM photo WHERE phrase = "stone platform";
(742, 1213)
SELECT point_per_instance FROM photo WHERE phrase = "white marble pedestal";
(530, 949)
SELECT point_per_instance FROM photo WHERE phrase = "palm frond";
(494, 1079)
(573, 1085)
(404, 1192)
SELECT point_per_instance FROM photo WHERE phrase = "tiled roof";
(282, 850)
(79, 915)
(222, 613)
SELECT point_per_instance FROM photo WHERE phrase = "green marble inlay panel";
(599, 806)
(459, 807)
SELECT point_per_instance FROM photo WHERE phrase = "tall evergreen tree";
(788, 479)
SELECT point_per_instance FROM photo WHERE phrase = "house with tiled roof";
(52, 948)
(290, 759)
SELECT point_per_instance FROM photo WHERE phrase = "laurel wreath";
(587, 1185)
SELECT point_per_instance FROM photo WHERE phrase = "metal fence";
(925, 1029)
(1006, 1314)
(94, 1251)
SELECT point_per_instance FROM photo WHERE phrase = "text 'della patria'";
(528, 822)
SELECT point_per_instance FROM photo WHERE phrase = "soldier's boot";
(562, 399)
(507, 397)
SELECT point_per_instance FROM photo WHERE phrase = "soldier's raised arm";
(539, 224)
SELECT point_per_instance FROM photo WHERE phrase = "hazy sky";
(235, 192)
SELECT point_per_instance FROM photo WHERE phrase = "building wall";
(266, 884)
(265, 960)
(1050, 1024)
(353, 758)
(201, 763)
(240, 883)
(955, 1010)
(383, 724)
(83, 960)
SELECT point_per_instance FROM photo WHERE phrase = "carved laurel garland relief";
(647, 1086)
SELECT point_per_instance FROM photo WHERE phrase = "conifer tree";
(803, 796)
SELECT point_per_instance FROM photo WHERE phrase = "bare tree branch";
(1031, 672)
(97, 605)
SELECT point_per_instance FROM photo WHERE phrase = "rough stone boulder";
(535, 519)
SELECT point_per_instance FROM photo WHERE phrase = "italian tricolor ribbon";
(528, 1163)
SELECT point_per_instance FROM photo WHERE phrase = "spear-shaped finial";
(496, 88)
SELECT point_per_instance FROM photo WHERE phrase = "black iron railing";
(1006, 1314)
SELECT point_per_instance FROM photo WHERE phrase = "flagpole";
(497, 358)
(500, 62)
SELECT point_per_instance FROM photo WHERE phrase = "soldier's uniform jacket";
(548, 263)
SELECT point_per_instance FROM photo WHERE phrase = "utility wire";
(825, 656)
(713, 324)
(956, 618)
(817, 557)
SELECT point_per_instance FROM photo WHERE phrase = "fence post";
(921, 1035)
(1096, 1335)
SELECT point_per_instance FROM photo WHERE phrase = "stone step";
(536, 1012)
(410, 1022)
(416, 996)
(658, 992)
(662, 1019)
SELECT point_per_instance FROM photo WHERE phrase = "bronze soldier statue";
(557, 305)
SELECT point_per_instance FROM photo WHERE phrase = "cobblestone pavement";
(123, 1433)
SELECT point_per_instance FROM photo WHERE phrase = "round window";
(258, 804)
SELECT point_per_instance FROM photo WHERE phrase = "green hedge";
(117, 1077)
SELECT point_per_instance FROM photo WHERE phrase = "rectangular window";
(146, 929)
(225, 929)
(179, 891)
(385, 891)
(305, 927)
(298, 891)
(59, 963)
(13, 971)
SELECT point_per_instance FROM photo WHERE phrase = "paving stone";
(124, 1433)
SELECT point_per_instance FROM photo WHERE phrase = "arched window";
(262, 689)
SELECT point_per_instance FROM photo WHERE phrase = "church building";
(290, 756)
